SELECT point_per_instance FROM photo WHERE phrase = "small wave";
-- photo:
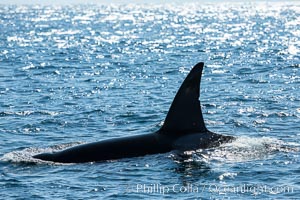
(246, 110)
(227, 175)
(26, 155)
(219, 71)
(28, 67)
(275, 114)
(214, 123)
(28, 112)
(259, 121)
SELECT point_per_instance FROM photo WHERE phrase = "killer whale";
(183, 129)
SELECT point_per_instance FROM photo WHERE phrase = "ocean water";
(74, 74)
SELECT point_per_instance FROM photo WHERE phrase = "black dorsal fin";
(185, 115)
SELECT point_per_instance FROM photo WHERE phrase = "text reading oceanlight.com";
(210, 188)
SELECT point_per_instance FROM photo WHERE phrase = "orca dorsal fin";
(185, 115)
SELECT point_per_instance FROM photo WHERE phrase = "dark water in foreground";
(76, 74)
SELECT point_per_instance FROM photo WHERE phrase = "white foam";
(26, 155)
(246, 148)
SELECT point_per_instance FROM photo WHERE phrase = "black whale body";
(183, 129)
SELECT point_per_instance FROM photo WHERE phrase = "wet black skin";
(134, 146)
(183, 129)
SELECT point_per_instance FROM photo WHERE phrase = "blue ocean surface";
(74, 74)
